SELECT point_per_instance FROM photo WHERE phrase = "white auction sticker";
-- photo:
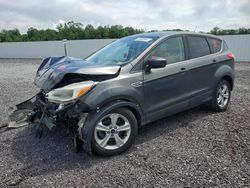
(143, 39)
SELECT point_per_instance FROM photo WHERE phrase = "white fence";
(238, 44)
(75, 48)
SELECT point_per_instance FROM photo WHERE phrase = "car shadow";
(54, 151)
(171, 123)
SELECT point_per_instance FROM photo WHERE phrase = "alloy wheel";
(223, 96)
(112, 131)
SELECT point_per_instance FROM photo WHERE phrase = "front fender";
(106, 93)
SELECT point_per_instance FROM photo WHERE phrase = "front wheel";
(115, 132)
(221, 96)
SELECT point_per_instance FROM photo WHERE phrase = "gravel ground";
(195, 148)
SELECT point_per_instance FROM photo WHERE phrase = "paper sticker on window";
(143, 39)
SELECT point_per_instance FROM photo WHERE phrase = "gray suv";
(129, 83)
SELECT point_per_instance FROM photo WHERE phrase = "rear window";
(215, 44)
(198, 46)
(225, 47)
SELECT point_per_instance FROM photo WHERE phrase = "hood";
(55, 72)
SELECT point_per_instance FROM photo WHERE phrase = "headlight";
(70, 92)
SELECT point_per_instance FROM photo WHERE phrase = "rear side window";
(215, 44)
(198, 46)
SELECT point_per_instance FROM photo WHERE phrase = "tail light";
(230, 56)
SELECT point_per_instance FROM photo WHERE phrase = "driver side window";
(172, 50)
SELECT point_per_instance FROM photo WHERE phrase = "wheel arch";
(229, 79)
(225, 72)
(122, 102)
(88, 128)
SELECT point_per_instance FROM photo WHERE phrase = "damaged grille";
(50, 108)
(42, 96)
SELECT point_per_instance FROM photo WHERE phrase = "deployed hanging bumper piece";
(21, 114)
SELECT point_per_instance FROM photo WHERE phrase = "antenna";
(195, 28)
(65, 46)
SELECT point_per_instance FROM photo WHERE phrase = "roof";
(169, 33)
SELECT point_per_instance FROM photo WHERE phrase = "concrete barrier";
(75, 48)
(238, 44)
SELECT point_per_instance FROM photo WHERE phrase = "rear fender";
(222, 71)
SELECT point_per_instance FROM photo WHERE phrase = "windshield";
(121, 51)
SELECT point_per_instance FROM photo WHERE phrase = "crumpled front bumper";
(50, 113)
(53, 114)
(44, 113)
(56, 114)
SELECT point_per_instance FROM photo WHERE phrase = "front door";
(166, 89)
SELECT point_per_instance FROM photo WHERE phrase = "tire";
(114, 133)
(220, 105)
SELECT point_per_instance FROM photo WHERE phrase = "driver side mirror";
(156, 63)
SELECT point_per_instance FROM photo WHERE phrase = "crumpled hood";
(55, 72)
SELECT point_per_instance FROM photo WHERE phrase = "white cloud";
(146, 14)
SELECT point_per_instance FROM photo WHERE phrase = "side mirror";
(156, 63)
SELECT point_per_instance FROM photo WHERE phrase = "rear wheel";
(115, 132)
(221, 96)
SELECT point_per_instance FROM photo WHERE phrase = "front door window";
(172, 50)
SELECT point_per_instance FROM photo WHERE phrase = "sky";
(193, 15)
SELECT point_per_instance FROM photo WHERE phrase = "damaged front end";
(40, 112)
(63, 82)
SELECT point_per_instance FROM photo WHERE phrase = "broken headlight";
(70, 92)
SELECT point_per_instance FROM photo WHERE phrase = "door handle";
(214, 61)
(182, 69)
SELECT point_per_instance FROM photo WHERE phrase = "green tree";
(33, 34)
(75, 30)
(215, 30)
(50, 34)
(89, 32)
(10, 36)
(243, 31)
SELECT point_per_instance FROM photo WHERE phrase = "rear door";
(201, 67)
(165, 89)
